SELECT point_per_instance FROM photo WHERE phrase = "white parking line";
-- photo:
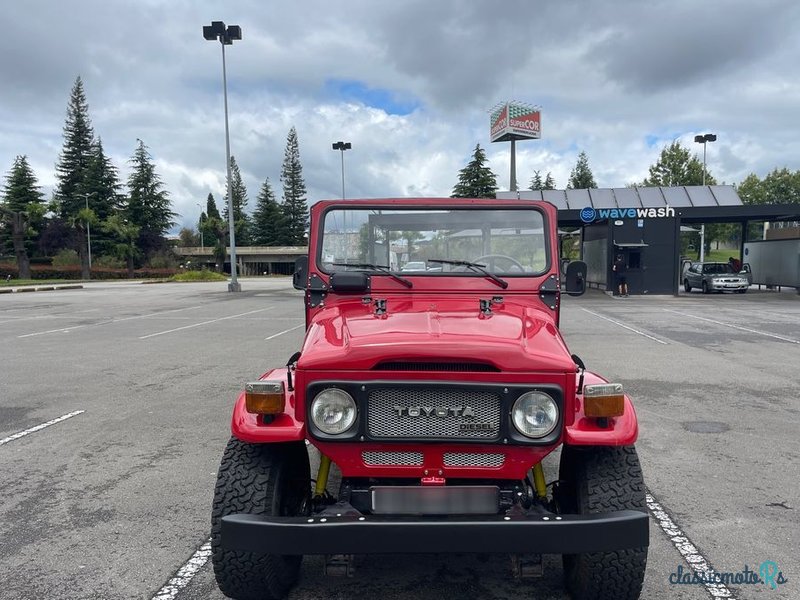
(696, 561)
(16, 436)
(747, 329)
(184, 575)
(274, 335)
(144, 337)
(642, 333)
(110, 321)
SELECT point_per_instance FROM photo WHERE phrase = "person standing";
(620, 281)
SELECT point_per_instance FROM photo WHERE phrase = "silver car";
(714, 277)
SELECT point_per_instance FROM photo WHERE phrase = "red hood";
(516, 337)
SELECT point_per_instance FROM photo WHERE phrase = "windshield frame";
(438, 208)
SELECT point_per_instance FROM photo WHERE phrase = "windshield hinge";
(549, 292)
(380, 306)
(317, 290)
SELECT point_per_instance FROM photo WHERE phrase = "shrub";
(163, 259)
(108, 262)
(66, 258)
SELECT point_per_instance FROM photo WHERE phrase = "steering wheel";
(493, 262)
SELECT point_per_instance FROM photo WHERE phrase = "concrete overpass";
(253, 260)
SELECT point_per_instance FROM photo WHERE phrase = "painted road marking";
(739, 327)
(185, 574)
(274, 335)
(144, 337)
(67, 329)
(16, 436)
(696, 561)
(642, 333)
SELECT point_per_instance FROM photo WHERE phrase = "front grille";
(410, 459)
(433, 412)
(473, 459)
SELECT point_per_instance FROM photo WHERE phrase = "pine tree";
(581, 176)
(536, 181)
(676, 166)
(21, 208)
(267, 226)
(102, 195)
(241, 221)
(148, 205)
(75, 155)
(549, 182)
(476, 180)
(294, 207)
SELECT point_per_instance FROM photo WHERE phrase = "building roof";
(687, 196)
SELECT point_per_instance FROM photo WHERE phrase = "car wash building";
(644, 224)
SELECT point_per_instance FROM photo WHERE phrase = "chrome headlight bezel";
(544, 405)
(328, 401)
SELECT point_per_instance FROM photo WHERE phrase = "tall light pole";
(342, 146)
(704, 139)
(226, 35)
(88, 231)
(200, 227)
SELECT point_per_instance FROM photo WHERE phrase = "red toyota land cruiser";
(434, 376)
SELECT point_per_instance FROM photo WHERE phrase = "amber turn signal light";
(264, 397)
(603, 400)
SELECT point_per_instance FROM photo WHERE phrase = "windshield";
(717, 269)
(423, 241)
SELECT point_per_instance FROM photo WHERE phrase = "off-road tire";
(596, 480)
(259, 479)
(686, 287)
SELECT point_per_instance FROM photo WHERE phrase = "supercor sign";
(514, 120)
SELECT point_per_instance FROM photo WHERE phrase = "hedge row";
(74, 272)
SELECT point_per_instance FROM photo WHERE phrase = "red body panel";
(438, 320)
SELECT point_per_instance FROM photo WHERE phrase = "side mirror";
(300, 275)
(576, 278)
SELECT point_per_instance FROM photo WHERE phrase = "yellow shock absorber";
(322, 476)
(538, 480)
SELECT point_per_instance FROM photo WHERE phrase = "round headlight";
(333, 411)
(535, 414)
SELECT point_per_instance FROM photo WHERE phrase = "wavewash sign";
(589, 214)
(515, 121)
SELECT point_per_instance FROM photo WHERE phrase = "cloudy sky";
(409, 83)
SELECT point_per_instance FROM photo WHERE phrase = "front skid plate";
(382, 534)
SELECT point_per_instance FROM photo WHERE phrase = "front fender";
(621, 431)
(252, 429)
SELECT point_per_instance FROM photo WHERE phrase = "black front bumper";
(533, 533)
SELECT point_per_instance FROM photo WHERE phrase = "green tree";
(677, 166)
(21, 209)
(126, 236)
(210, 222)
(241, 222)
(581, 175)
(294, 207)
(268, 229)
(70, 194)
(101, 188)
(538, 184)
(476, 180)
(148, 206)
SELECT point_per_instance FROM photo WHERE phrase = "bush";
(108, 262)
(163, 259)
(66, 258)
(204, 275)
(74, 272)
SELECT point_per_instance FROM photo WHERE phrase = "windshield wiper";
(382, 268)
(478, 268)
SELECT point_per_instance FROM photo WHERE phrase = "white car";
(414, 266)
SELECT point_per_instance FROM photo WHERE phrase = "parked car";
(714, 277)
(414, 265)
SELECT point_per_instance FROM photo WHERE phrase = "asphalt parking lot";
(115, 403)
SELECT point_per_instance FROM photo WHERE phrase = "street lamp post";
(704, 139)
(342, 146)
(200, 227)
(226, 35)
(88, 232)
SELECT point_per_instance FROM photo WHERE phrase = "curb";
(48, 288)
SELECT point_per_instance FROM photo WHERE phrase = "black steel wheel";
(259, 479)
(595, 480)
